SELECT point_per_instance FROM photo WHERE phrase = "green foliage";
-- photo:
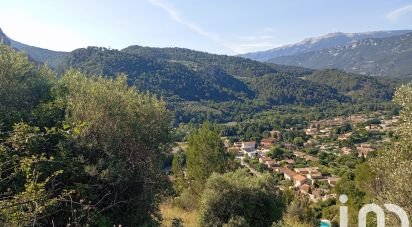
(299, 213)
(177, 169)
(22, 87)
(89, 153)
(236, 66)
(277, 153)
(285, 89)
(359, 87)
(121, 139)
(165, 78)
(238, 197)
(28, 187)
(392, 167)
(298, 141)
(205, 155)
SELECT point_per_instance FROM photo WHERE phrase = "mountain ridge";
(390, 56)
(320, 42)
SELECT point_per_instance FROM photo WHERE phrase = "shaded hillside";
(376, 57)
(354, 85)
(283, 89)
(169, 79)
(179, 74)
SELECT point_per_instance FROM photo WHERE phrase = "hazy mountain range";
(318, 43)
(391, 56)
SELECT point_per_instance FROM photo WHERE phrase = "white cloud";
(176, 16)
(397, 13)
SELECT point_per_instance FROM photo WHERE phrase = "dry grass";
(189, 218)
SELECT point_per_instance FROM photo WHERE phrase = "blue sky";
(217, 26)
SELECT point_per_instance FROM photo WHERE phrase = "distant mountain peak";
(388, 56)
(329, 40)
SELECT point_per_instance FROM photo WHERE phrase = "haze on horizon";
(223, 27)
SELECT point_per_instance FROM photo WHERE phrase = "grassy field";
(169, 212)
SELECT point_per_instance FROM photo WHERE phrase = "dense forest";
(358, 87)
(199, 86)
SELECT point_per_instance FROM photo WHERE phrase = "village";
(314, 165)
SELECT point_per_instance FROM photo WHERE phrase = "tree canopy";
(240, 199)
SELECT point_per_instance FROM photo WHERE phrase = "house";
(264, 159)
(305, 189)
(314, 176)
(247, 145)
(288, 174)
(249, 148)
(299, 180)
(251, 152)
(289, 162)
(306, 170)
(267, 143)
(301, 170)
(272, 163)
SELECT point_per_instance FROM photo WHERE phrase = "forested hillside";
(171, 80)
(278, 89)
(196, 76)
(235, 66)
(357, 86)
